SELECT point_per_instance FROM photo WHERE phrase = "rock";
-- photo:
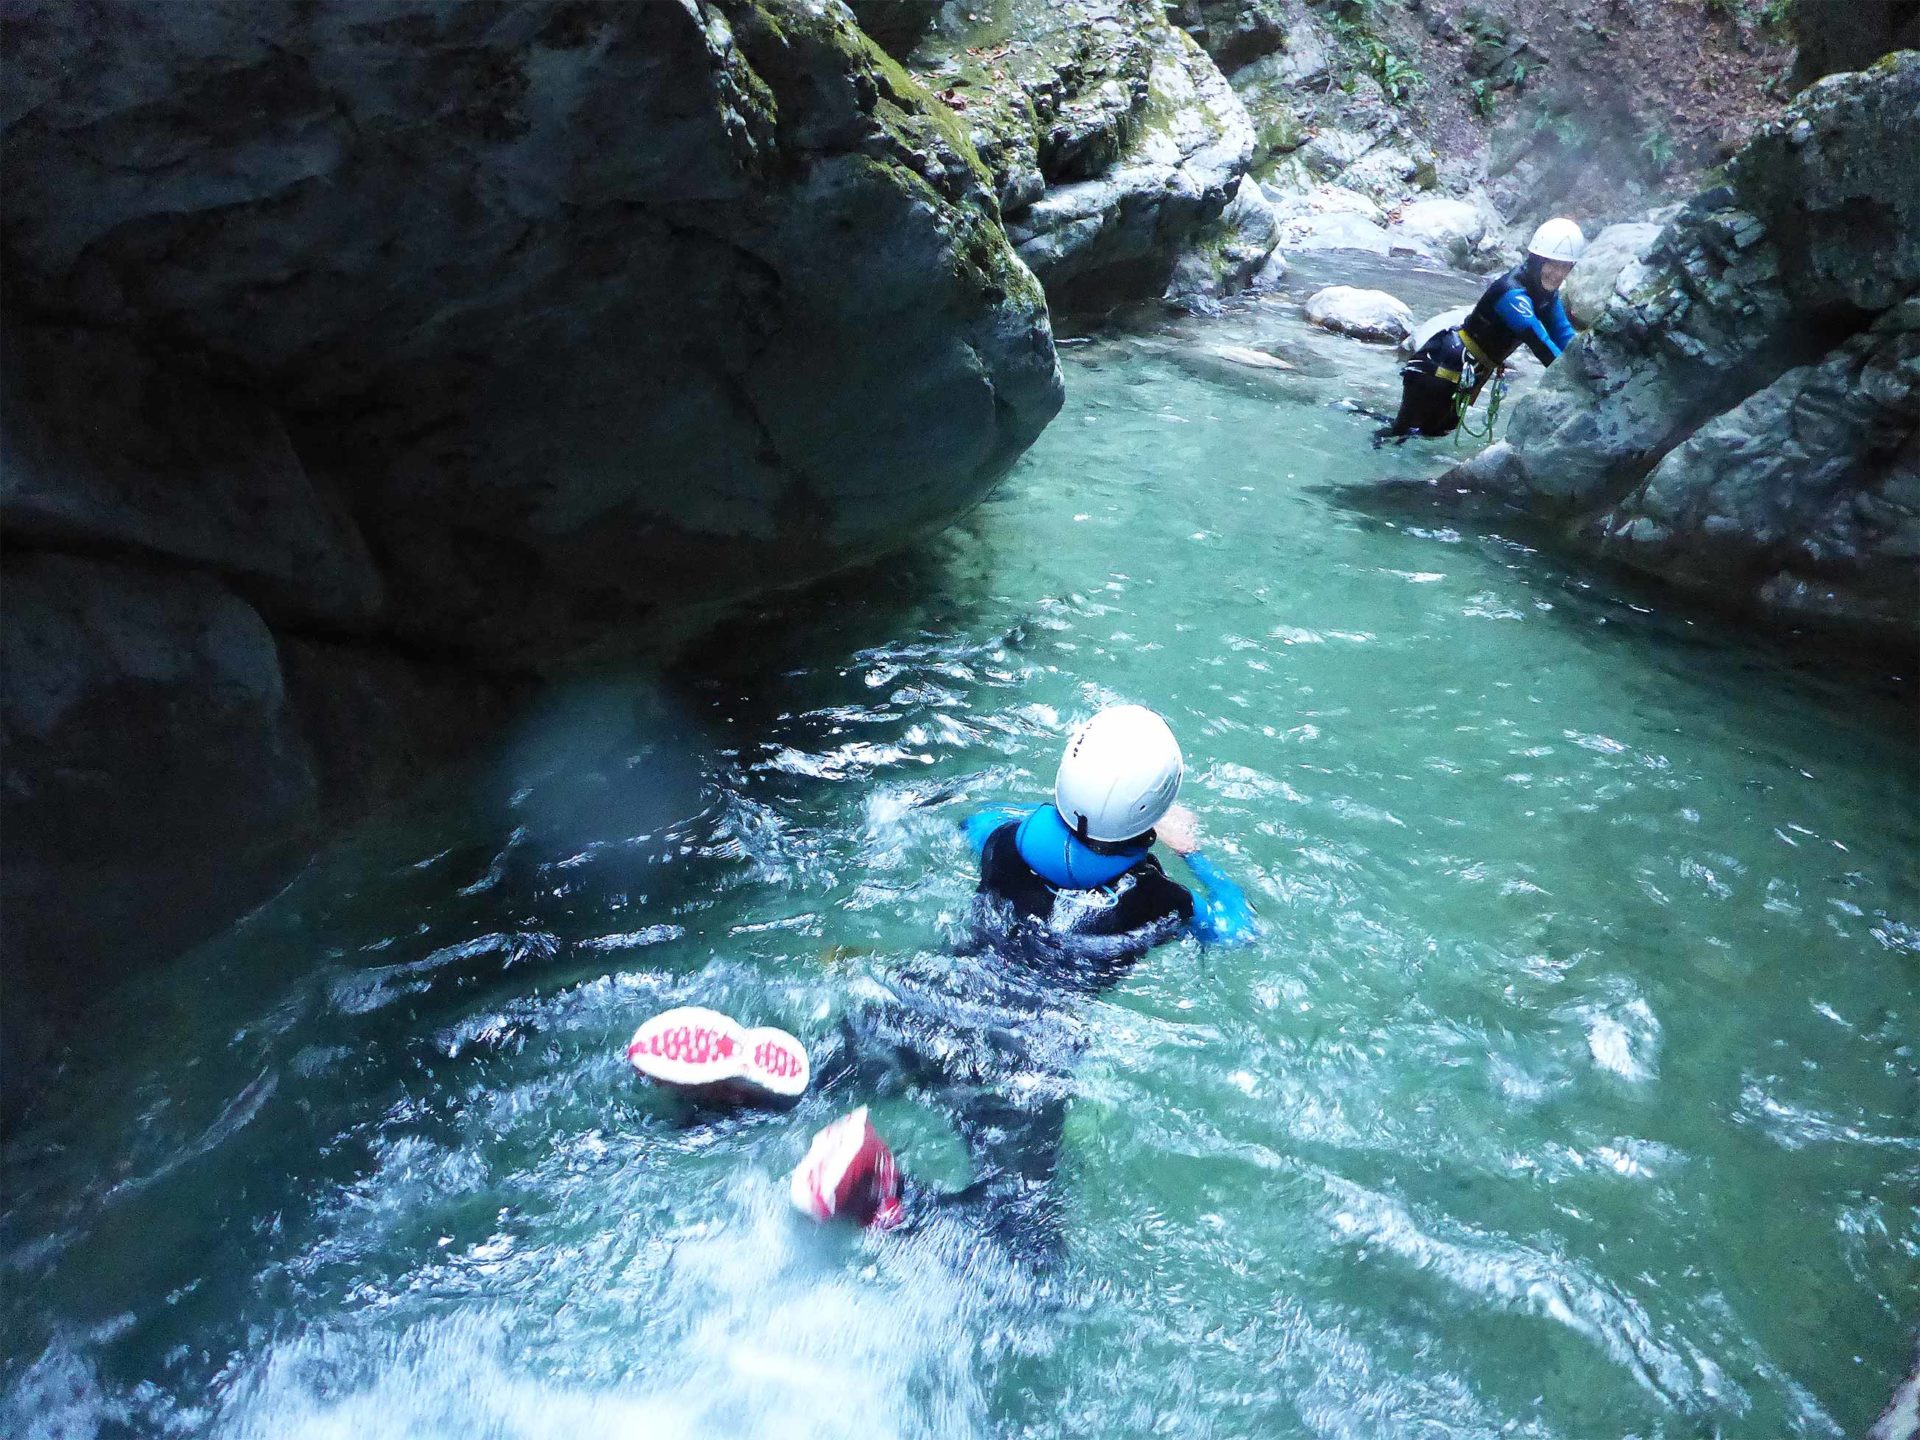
(1449, 229)
(1743, 419)
(1330, 152)
(1496, 470)
(1304, 59)
(1233, 32)
(1244, 238)
(1338, 231)
(1427, 329)
(1241, 368)
(896, 26)
(1812, 482)
(1834, 185)
(1851, 37)
(156, 776)
(1901, 1419)
(1270, 89)
(1363, 314)
(1323, 200)
(1252, 359)
(104, 445)
(1388, 173)
(1114, 141)
(1271, 274)
(1611, 260)
(588, 251)
(389, 351)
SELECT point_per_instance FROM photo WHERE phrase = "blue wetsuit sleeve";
(1516, 312)
(1559, 327)
(1222, 915)
(978, 827)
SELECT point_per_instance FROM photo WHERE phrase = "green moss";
(910, 111)
(983, 256)
(1280, 134)
(992, 266)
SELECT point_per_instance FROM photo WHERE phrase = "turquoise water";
(1568, 1092)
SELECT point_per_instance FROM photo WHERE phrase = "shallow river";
(1568, 1091)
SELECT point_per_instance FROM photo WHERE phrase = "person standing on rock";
(1522, 307)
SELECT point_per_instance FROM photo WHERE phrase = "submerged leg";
(1426, 406)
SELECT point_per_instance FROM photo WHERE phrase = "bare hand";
(1179, 830)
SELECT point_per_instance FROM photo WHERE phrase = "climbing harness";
(1463, 402)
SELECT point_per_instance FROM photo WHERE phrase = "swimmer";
(1070, 896)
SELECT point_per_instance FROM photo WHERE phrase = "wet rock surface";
(1443, 229)
(1611, 264)
(1742, 418)
(1363, 314)
(1116, 147)
(361, 361)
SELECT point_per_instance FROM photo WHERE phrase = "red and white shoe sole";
(692, 1046)
(819, 1184)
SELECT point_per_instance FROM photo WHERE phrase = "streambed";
(1568, 1092)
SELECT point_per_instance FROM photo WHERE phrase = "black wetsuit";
(994, 1029)
(1516, 309)
(1086, 939)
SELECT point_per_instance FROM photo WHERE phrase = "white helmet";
(1119, 775)
(1557, 239)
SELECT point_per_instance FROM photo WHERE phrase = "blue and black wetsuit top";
(1043, 883)
(1515, 310)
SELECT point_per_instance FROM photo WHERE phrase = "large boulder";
(1742, 418)
(361, 359)
(1114, 142)
(1612, 263)
(1451, 230)
(1807, 491)
(1364, 314)
(660, 307)
(1243, 250)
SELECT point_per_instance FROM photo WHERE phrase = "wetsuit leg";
(1427, 393)
(1015, 1147)
(992, 1045)
(1426, 405)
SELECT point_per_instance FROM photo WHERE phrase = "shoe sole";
(814, 1186)
(693, 1047)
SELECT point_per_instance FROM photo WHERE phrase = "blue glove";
(1222, 915)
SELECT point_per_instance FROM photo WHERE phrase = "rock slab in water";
(391, 350)
(1744, 418)
(1363, 314)
(1427, 329)
(1252, 359)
